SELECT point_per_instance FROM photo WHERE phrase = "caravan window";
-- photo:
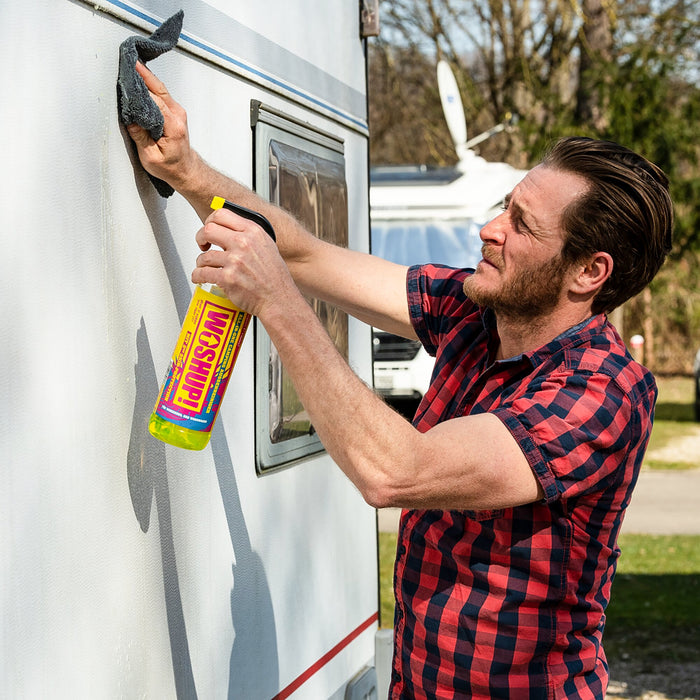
(455, 243)
(304, 172)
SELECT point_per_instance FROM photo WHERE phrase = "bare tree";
(512, 57)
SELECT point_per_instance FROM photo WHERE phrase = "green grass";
(654, 613)
(677, 391)
(387, 554)
(675, 401)
(665, 465)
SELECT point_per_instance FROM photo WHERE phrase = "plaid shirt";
(511, 603)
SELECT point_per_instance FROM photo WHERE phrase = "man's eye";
(519, 224)
(522, 228)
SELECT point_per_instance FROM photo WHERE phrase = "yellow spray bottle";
(209, 342)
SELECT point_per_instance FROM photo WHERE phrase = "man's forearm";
(470, 462)
(365, 437)
(201, 182)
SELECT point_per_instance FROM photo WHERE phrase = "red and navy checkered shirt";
(511, 603)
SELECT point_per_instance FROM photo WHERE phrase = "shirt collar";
(536, 356)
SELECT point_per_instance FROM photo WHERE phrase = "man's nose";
(495, 230)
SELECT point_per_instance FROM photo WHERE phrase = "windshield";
(454, 243)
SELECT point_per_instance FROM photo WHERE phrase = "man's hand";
(170, 158)
(245, 263)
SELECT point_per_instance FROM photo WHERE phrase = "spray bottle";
(209, 342)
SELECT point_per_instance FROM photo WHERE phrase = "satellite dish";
(453, 109)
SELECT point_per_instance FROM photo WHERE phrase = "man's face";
(521, 274)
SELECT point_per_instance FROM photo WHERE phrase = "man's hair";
(626, 212)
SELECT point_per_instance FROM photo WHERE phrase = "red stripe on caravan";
(300, 680)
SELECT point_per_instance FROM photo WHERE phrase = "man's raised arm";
(364, 286)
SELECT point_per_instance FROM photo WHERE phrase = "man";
(529, 441)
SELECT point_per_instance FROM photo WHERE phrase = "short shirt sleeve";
(575, 429)
(436, 302)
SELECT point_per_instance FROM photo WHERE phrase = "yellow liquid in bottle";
(177, 435)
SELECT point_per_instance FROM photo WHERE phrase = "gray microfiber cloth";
(134, 102)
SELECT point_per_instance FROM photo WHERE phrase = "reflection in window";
(314, 190)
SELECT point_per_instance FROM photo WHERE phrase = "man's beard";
(531, 293)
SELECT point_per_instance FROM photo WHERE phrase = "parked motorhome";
(422, 214)
(131, 568)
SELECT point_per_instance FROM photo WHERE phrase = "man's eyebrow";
(516, 213)
(516, 209)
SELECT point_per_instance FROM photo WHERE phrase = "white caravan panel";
(132, 569)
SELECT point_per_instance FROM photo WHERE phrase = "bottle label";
(204, 356)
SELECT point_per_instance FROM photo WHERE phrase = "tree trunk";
(596, 50)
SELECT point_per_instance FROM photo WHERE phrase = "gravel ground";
(671, 681)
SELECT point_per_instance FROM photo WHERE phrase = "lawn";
(654, 613)
(673, 421)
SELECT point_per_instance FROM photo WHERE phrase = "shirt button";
(401, 550)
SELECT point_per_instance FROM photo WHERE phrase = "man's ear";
(591, 275)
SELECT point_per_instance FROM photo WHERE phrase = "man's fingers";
(218, 228)
(212, 258)
(174, 116)
(153, 83)
(157, 90)
(213, 234)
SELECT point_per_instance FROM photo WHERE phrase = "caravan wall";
(132, 569)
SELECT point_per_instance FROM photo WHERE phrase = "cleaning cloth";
(135, 103)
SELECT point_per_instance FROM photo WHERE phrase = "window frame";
(270, 125)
